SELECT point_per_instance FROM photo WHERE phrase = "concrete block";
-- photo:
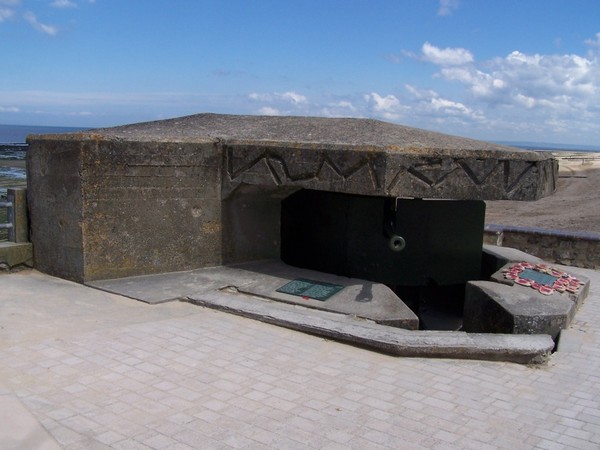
(492, 307)
(14, 254)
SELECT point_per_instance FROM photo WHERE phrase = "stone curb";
(523, 349)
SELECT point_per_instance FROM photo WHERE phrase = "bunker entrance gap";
(424, 250)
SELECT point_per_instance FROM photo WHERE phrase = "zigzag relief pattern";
(275, 164)
(514, 177)
(479, 172)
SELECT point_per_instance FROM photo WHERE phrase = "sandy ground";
(575, 206)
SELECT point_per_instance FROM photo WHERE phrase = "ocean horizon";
(16, 134)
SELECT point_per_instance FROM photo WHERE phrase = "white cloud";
(269, 111)
(428, 103)
(447, 6)
(594, 42)
(293, 98)
(480, 84)
(7, 10)
(260, 97)
(280, 104)
(527, 102)
(5, 14)
(288, 97)
(341, 108)
(63, 4)
(450, 107)
(446, 56)
(50, 30)
(9, 109)
(13, 9)
(518, 93)
(388, 107)
(420, 93)
(558, 82)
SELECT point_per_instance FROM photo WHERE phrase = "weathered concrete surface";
(106, 208)
(359, 298)
(161, 196)
(492, 307)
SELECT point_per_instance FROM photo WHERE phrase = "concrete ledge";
(492, 307)
(524, 349)
(14, 254)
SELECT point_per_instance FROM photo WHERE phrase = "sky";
(512, 70)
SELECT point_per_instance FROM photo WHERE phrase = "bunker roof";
(297, 131)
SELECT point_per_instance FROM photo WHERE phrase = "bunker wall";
(55, 207)
(149, 207)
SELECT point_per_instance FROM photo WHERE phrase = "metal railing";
(15, 220)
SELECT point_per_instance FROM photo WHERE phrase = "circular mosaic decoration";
(543, 278)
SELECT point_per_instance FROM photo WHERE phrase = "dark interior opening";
(424, 250)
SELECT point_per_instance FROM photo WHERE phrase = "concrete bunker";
(359, 198)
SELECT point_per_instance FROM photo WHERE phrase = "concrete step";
(14, 254)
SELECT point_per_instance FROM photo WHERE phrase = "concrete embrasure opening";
(424, 250)
(426, 253)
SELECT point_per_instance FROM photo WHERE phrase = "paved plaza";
(85, 369)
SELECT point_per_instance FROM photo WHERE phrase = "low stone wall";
(572, 248)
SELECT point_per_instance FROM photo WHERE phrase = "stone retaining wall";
(572, 248)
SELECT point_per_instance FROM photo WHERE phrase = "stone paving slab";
(102, 371)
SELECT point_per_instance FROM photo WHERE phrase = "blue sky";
(524, 70)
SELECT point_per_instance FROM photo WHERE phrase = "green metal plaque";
(316, 290)
(538, 277)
